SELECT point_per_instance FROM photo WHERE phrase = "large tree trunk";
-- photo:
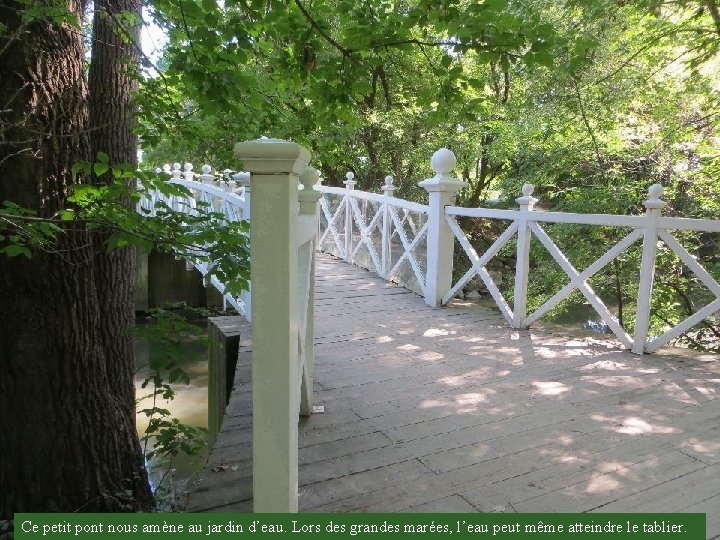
(113, 117)
(67, 430)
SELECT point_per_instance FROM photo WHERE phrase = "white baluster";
(442, 190)
(350, 186)
(207, 177)
(308, 197)
(386, 242)
(188, 174)
(229, 184)
(653, 208)
(176, 172)
(243, 180)
(308, 200)
(522, 265)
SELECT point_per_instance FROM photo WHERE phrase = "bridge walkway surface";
(450, 410)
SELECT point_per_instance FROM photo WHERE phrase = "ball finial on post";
(527, 201)
(207, 177)
(443, 162)
(309, 177)
(188, 174)
(655, 191)
(350, 182)
(176, 172)
(243, 179)
(388, 188)
(654, 201)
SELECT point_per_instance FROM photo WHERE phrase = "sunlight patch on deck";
(633, 425)
(549, 388)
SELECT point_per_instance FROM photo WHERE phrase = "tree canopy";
(590, 101)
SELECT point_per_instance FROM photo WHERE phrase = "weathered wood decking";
(449, 410)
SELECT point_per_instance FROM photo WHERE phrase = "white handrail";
(235, 208)
(441, 229)
(376, 197)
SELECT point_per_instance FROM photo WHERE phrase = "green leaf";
(14, 250)
(100, 168)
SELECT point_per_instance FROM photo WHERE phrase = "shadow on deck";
(449, 410)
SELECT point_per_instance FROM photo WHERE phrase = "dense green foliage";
(590, 101)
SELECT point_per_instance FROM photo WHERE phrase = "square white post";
(522, 266)
(385, 242)
(309, 199)
(274, 166)
(350, 186)
(442, 190)
(653, 207)
(243, 179)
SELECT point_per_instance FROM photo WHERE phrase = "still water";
(169, 477)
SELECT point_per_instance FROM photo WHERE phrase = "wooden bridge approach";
(435, 404)
(450, 410)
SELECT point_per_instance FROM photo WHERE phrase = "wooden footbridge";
(431, 403)
(449, 410)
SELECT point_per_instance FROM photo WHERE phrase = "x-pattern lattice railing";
(283, 244)
(368, 214)
(360, 216)
(526, 223)
(217, 198)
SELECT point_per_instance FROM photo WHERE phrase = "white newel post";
(386, 242)
(274, 166)
(653, 207)
(442, 190)
(176, 174)
(309, 199)
(350, 186)
(522, 266)
(207, 177)
(318, 183)
(243, 179)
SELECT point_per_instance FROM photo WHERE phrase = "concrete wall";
(161, 279)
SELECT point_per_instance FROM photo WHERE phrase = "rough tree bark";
(67, 428)
(113, 117)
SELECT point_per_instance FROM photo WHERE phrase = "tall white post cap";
(654, 201)
(443, 162)
(272, 156)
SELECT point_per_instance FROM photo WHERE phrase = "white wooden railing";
(230, 197)
(354, 223)
(402, 241)
(284, 226)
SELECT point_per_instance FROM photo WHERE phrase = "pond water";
(169, 478)
(579, 319)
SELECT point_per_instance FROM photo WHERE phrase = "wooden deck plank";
(448, 409)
